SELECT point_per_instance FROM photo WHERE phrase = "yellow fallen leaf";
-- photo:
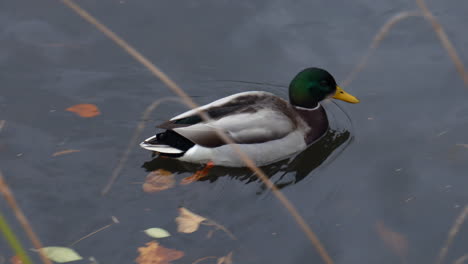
(85, 110)
(157, 232)
(64, 152)
(154, 253)
(158, 180)
(226, 259)
(60, 254)
(394, 240)
(188, 222)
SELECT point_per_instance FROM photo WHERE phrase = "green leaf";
(61, 254)
(157, 232)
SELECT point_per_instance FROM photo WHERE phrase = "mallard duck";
(265, 127)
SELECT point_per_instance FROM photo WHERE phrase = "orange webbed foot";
(198, 174)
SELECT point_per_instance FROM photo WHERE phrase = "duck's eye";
(324, 83)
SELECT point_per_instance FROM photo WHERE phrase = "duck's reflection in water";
(290, 171)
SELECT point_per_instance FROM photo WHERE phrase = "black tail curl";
(173, 139)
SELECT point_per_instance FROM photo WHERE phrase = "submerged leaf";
(188, 222)
(16, 260)
(60, 254)
(158, 180)
(395, 241)
(154, 253)
(157, 232)
(85, 110)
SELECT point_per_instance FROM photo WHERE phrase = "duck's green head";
(312, 85)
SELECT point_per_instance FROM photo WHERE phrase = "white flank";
(262, 153)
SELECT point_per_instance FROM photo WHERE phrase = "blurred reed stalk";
(446, 43)
(11, 201)
(451, 235)
(385, 29)
(13, 241)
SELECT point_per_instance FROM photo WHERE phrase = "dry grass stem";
(203, 259)
(12, 240)
(461, 259)
(134, 140)
(8, 195)
(210, 222)
(187, 100)
(2, 124)
(383, 31)
(446, 43)
(452, 233)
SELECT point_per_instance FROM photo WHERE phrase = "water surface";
(398, 164)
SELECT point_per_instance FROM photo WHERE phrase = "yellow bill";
(344, 96)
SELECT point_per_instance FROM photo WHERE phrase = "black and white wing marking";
(247, 118)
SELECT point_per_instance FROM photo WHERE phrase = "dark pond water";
(397, 164)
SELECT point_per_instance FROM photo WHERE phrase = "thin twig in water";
(95, 232)
(134, 140)
(376, 42)
(2, 124)
(187, 100)
(202, 259)
(442, 133)
(8, 195)
(452, 233)
(64, 152)
(446, 43)
(209, 222)
(461, 259)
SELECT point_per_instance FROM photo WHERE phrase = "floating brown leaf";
(64, 152)
(226, 259)
(158, 180)
(154, 253)
(188, 222)
(85, 110)
(16, 260)
(394, 240)
(463, 145)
